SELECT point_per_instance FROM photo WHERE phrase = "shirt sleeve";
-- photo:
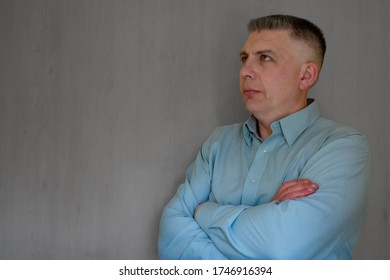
(180, 236)
(318, 226)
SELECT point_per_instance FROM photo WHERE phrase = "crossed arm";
(301, 222)
(288, 190)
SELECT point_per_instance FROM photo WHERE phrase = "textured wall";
(103, 105)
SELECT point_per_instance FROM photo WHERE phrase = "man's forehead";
(268, 37)
(271, 40)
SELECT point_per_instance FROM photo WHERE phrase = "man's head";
(282, 58)
(300, 29)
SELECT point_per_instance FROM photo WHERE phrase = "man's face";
(270, 74)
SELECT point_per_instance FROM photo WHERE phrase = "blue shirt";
(237, 174)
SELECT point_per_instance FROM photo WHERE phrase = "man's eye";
(264, 57)
(243, 59)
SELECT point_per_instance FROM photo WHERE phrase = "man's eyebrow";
(243, 53)
(260, 52)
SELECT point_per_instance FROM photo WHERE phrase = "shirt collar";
(250, 130)
(291, 126)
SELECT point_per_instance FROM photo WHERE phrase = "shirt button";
(265, 150)
(253, 180)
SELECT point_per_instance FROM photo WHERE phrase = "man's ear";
(309, 75)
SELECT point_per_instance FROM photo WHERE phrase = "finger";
(293, 186)
(294, 182)
(197, 209)
(298, 192)
(295, 189)
(286, 186)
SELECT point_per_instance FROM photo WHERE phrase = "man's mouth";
(250, 91)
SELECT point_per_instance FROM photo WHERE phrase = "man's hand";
(295, 189)
(288, 190)
(197, 208)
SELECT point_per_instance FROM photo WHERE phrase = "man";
(287, 183)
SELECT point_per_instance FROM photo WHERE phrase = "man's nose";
(247, 70)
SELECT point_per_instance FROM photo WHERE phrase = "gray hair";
(301, 29)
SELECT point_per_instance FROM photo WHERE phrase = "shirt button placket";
(255, 174)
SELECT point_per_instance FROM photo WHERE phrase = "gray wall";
(103, 105)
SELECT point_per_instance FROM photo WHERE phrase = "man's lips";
(250, 91)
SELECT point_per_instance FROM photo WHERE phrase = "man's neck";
(264, 131)
(264, 124)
